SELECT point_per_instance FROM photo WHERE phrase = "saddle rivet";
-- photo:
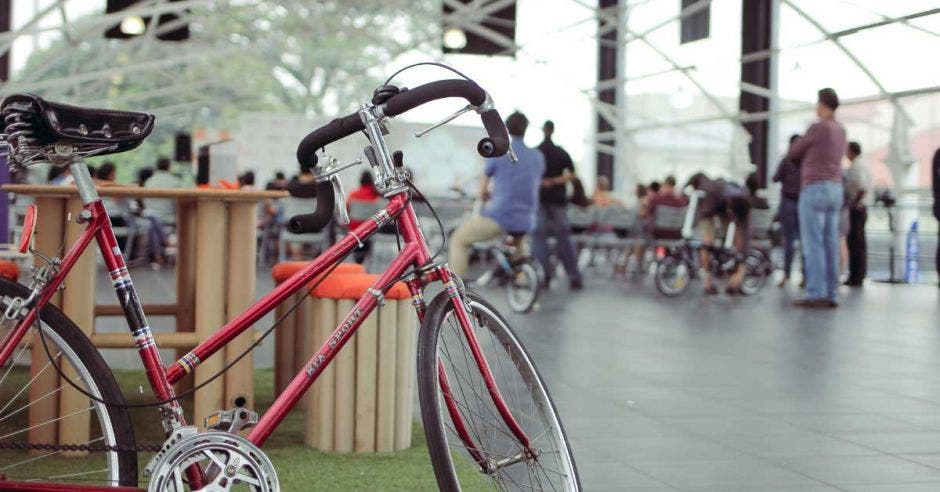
(83, 129)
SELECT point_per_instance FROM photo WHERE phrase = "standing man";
(820, 153)
(856, 189)
(788, 175)
(553, 211)
(513, 200)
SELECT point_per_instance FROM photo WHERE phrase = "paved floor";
(745, 394)
(730, 394)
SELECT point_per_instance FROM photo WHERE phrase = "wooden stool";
(362, 401)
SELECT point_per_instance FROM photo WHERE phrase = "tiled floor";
(733, 394)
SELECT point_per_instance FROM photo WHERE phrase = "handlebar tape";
(314, 222)
(441, 89)
(327, 134)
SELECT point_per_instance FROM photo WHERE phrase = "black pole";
(608, 51)
(756, 25)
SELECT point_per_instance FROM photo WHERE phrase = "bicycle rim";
(522, 389)
(754, 274)
(672, 276)
(522, 288)
(31, 410)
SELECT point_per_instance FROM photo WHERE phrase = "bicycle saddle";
(55, 123)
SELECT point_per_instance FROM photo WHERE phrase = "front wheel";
(488, 456)
(755, 272)
(522, 287)
(673, 275)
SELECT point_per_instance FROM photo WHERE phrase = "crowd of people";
(822, 206)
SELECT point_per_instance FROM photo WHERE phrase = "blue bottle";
(912, 256)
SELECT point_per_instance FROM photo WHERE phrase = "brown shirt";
(820, 152)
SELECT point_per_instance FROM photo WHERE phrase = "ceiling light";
(133, 25)
(455, 39)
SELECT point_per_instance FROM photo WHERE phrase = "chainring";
(230, 462)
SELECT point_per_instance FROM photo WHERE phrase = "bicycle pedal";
(233, 420)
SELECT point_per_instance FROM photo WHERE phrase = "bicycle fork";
(462, 311)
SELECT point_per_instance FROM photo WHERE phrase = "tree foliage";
(318, 58)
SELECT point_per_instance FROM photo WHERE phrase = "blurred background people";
(856, 193)
(553, 212)
(788, 175)
(820, 152)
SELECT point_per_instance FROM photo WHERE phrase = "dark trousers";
(789, 213)
(858, 249)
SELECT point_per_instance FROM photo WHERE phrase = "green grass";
(298, 467)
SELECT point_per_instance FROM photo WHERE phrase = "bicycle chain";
(102, 448)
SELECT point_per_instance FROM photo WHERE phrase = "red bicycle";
(482, 400)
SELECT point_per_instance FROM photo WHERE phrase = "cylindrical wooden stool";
(362, 401)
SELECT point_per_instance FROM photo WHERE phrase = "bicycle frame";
(414, 254)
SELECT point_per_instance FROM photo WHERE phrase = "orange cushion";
(9, 270)
(284, 270)
(352, 286)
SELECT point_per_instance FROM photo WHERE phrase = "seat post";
(86, 186)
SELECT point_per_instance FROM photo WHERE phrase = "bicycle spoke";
(37, 400)
(47, 422)
(18, 393)
(12, 364)
(77, 474)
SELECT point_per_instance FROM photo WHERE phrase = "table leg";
(50, 231)
(78, 303)
(240, 287)
(185, 278)
(210, 302)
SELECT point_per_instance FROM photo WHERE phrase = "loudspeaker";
(202, 168)
(184, 147)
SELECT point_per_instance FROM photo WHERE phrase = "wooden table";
(215, 281)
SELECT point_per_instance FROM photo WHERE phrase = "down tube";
(314, 367)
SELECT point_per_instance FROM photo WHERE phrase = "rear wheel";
(40, 392)
(673, 275)
(509, 467)
(522, 287)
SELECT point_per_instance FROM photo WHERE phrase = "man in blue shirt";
(513, 200)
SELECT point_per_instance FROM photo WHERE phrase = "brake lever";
(331, 169)
(467, 109)
(340, 213)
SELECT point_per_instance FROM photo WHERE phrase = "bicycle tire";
(62, 334)
(667, 266)
(523, 279)
(436, 423)
(755, 272)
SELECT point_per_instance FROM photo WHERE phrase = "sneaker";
(576, 284)
(783, 282)
(711, 290)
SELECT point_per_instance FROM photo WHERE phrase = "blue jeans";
(820, 206)
(553, 219)
(789, 214)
